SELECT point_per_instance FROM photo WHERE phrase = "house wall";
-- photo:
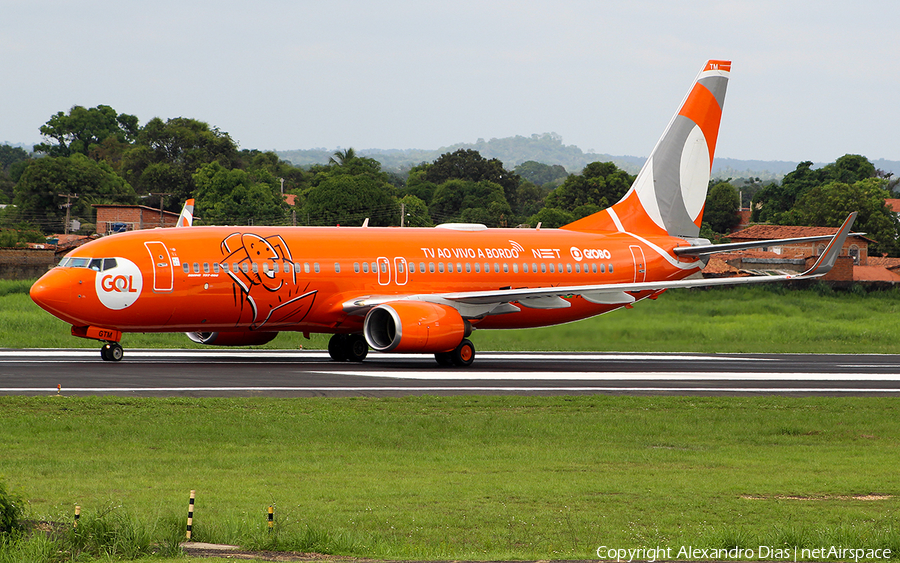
(25, 264)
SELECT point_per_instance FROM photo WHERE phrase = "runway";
(278, 373)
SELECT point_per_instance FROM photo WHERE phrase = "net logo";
(119, 287)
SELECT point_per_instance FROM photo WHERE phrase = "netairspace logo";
(761, 553)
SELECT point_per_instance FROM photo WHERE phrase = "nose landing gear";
(112, 352)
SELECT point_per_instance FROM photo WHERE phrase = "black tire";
(115, 352)
(464, 354)
(337, 347)
(104, 352)
(444, 359)
(356, 348)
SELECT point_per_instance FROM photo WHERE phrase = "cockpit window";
(96, 264)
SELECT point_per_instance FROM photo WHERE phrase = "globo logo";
(118, 288)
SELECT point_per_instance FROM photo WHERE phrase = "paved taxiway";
(218, 372)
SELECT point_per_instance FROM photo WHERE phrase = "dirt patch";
(869, 497)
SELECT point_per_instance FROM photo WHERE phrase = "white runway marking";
(55, 355)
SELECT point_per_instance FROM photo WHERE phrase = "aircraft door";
(384, 271)
(163, 272)
(640, 267)
(401, 274)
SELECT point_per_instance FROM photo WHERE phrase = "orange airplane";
(411, 290)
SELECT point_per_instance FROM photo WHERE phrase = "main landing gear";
(348, 348)
(462, 356)
(112, 352)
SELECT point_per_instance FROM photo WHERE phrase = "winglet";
(826, 261)
(186, 219)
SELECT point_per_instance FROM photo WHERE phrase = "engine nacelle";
(232, 338)
(414, 326)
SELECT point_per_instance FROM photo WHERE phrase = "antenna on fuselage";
(365, 223)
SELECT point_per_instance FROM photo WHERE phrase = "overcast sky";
(810, 80)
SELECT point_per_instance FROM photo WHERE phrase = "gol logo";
(118, 288)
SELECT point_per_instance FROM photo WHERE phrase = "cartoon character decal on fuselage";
(267, 298)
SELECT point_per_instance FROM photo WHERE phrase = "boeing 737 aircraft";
(407, 289)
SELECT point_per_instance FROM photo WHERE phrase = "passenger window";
(365, 267)
(225, 267)
(196, 268)
(399, 267)
(441, 267)
(449, 267)
(560, 268)
(422, 267)
(356, 267)
(534, 267)
(468, 268)
(552, 271)
(577, 268)
(477, 267)
(316, 267)
(245, 267)
(186, 267)
(515, 268)
(215, 267)
(275, 267)
(265, 267)
(568, 268)
(306, 267)
(505, 268)
(496, 268)
(543, 268)
(297, 267)
(459, 267)
(610, 268)
(206, 267)
(287, 267)
(412, 267)
(337, 268)
(255, 268)
(602, 268)
(431, 267)
(525, 267)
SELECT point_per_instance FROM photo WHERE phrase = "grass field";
(467, 477)
(758, 319)
(478, 477)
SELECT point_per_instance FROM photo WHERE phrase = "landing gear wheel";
(337, 347)
(464, 354)
(444, 359)
(356, 348)
(112, 352)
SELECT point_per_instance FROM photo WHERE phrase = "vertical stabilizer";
(186, 219)
(668, 195)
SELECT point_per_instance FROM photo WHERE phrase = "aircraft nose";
(53, 291)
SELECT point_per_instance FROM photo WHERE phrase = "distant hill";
(548, 148)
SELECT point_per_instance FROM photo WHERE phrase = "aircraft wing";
(479, 303)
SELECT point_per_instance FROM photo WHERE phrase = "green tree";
(235, 196)
(829, 205)
(600, 184)
(722, 207)
(468, 164)
(348, 199)
(416, 212)
(551, 218)
(776, 199)
(542, 174)
(37, 193)
(455, 200)
(83, 129)
(167, 154)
